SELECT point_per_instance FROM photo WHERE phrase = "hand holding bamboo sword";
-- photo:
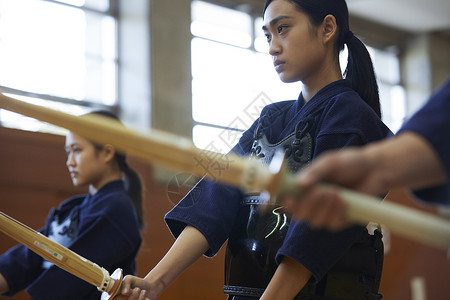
(180, 154)
(373, 169)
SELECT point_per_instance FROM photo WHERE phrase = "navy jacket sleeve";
(210, 207)
(432, 122)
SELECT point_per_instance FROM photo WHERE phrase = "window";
(233, 76)
(60, 52)
(392, 94)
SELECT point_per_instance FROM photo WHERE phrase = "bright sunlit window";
(60, 51)
(392, 94)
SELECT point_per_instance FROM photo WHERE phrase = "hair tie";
(348, 36)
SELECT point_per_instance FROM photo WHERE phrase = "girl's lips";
(278, 62)
(278, 66)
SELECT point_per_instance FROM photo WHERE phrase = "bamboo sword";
(62, 257)
(180, 154)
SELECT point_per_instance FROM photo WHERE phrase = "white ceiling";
(409, 15)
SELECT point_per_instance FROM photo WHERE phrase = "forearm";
(288, 280)
(188, 248)
(3, 285)
(406, 160)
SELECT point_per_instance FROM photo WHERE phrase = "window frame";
(113, 12)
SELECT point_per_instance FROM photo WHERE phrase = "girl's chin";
(287, 79)
(77, 183)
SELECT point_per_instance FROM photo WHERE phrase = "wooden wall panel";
(33, 178)
(407, 259)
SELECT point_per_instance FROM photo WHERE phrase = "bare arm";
(3, 285)
(289, 278)
(188, 248)
(404, 161)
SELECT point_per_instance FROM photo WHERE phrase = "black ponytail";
(360, 72)
(132, 181)
(359, 69)
(133, 186)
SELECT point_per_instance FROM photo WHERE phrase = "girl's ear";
(329, 28)
(108, 152)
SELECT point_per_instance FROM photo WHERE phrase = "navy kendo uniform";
(345, 264)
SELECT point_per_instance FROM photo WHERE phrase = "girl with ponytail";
(131, 179)
(102, 226)
(269, 256)
(359, 71)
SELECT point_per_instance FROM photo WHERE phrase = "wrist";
(156, 283)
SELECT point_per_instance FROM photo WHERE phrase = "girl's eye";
(267, 37)
(73, 151)
(280, 28)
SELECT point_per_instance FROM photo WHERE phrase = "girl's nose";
(274, 48)
(70, 160)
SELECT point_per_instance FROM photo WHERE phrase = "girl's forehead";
(73, 138)
(279, 8)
